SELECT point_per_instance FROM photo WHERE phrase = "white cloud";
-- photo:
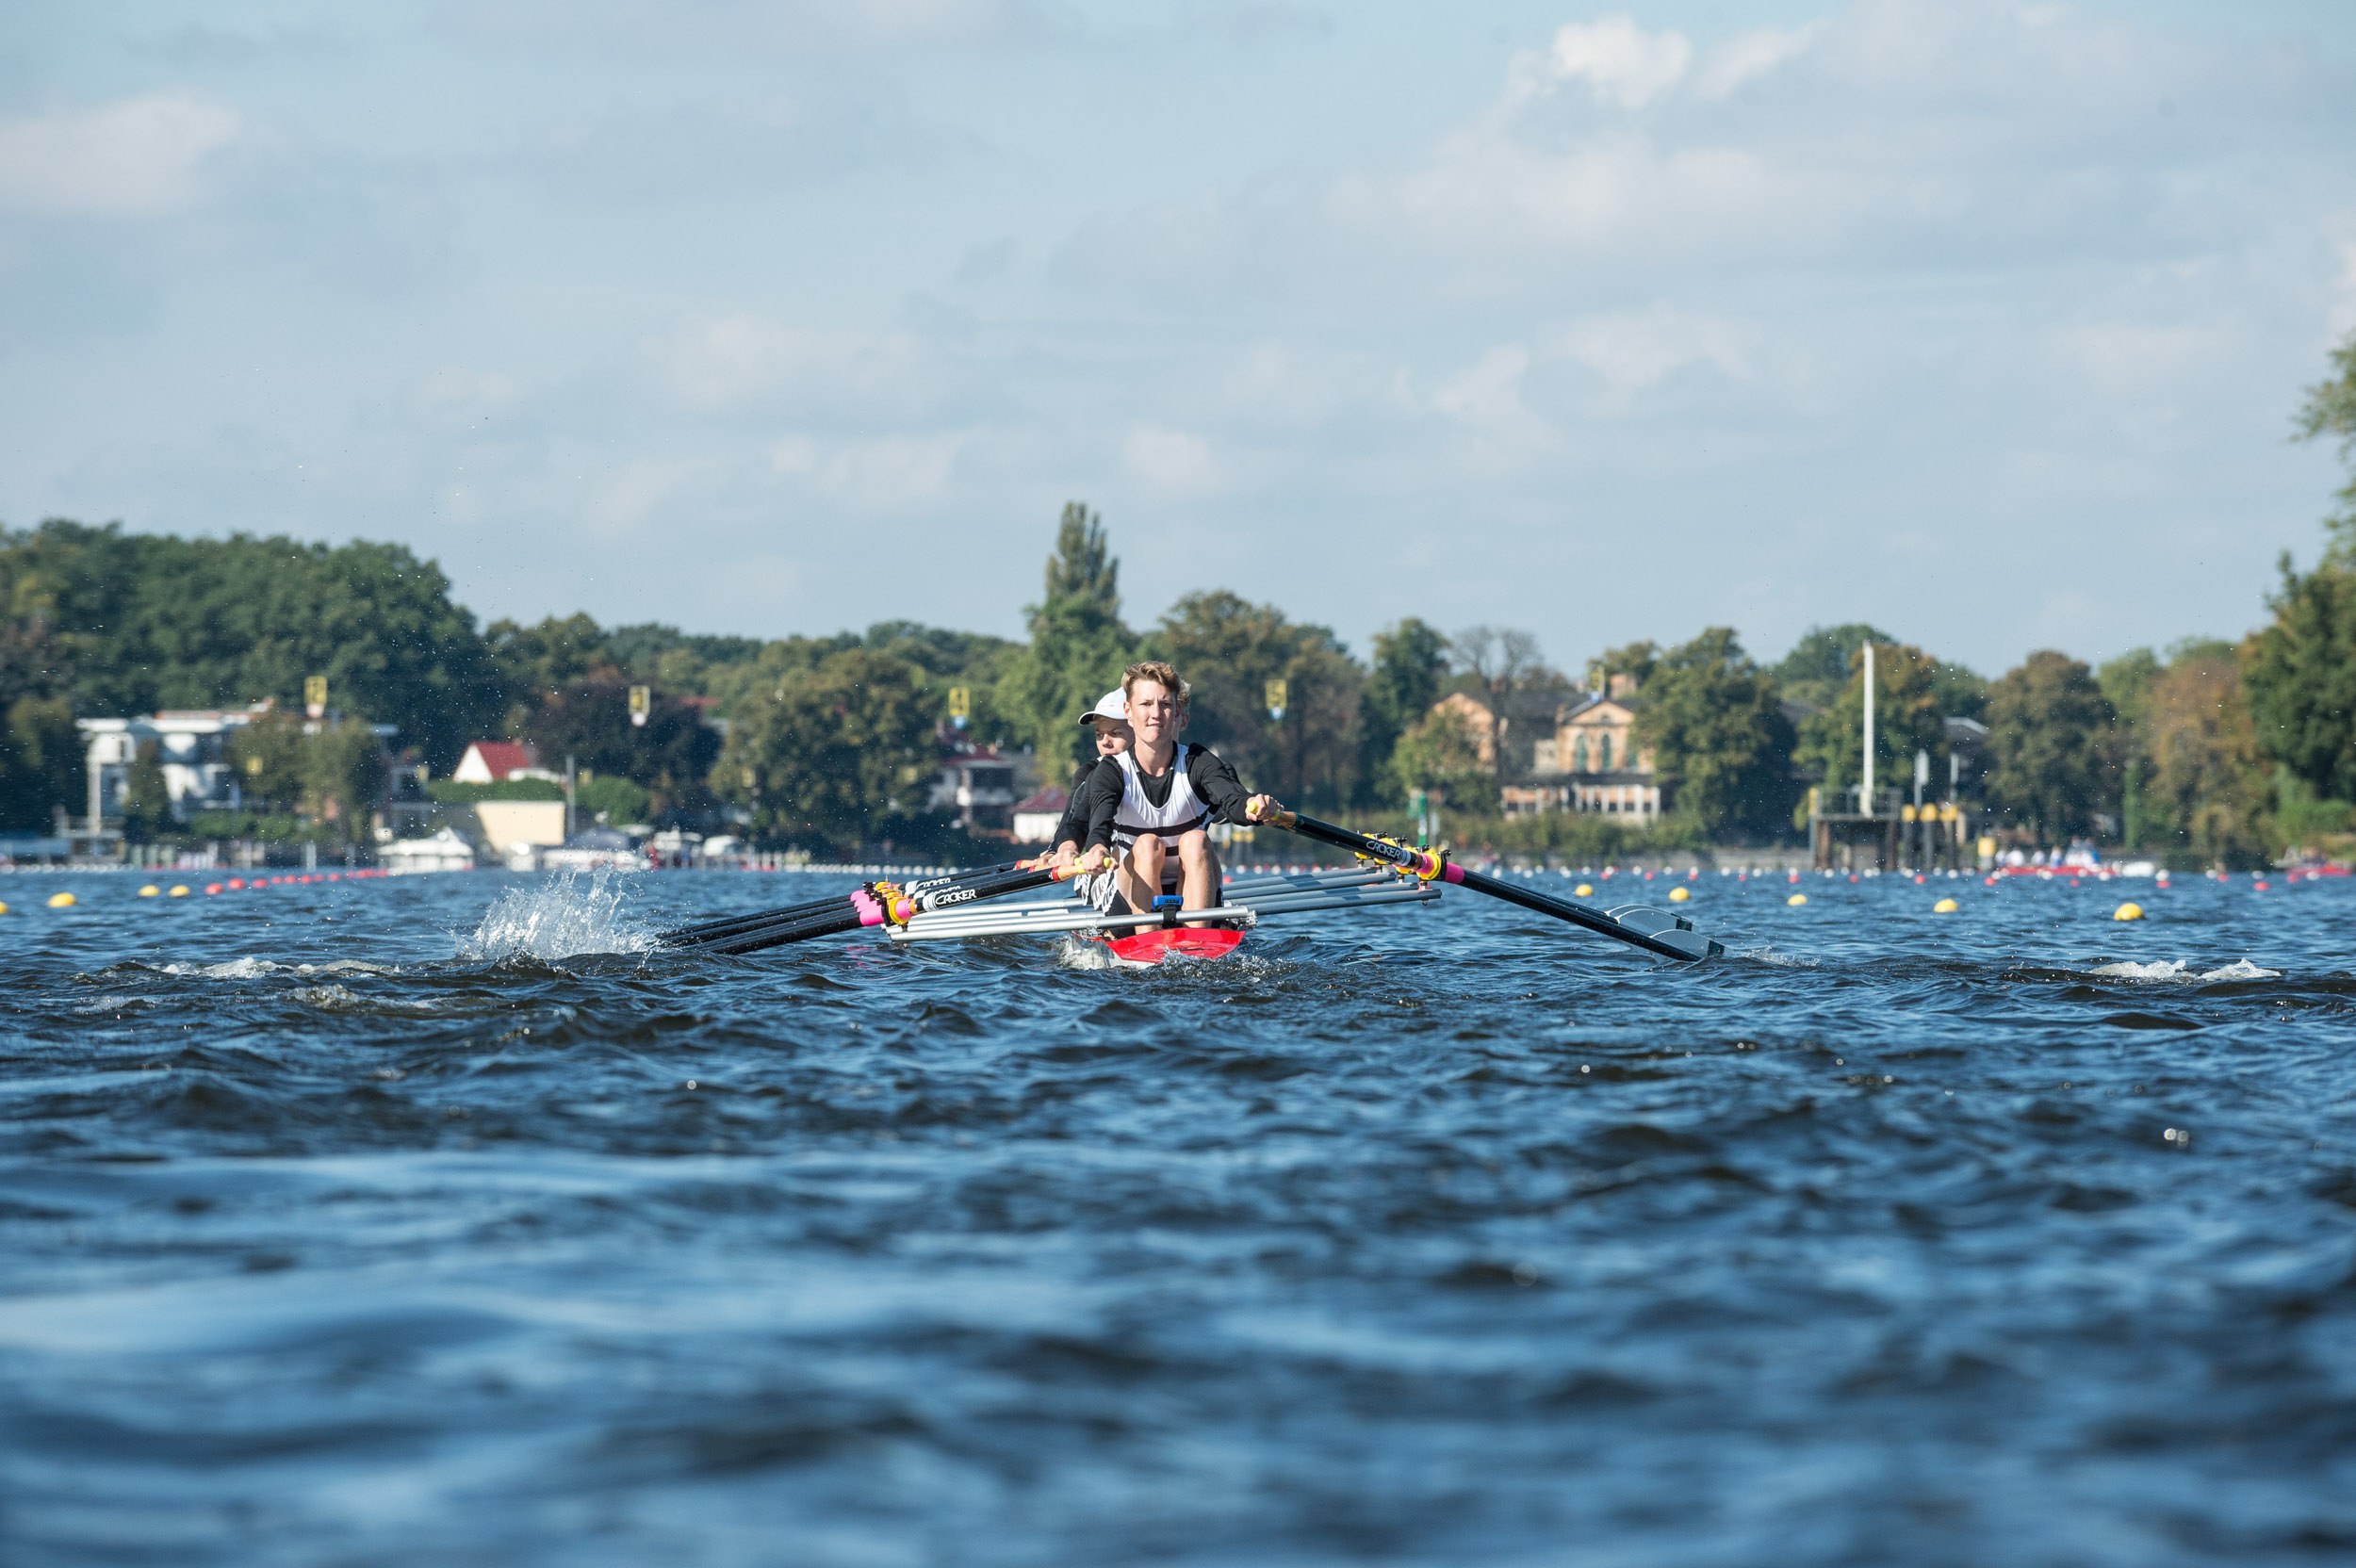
(638, 493)
(743, 361)
(1749, 54)
(875, 474)
(1170, 460)
(1634, 351)
(1619, 61)
(454, 397)
(139, 157)
(1488, 394)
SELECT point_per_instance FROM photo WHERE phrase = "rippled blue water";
(1432, 1234)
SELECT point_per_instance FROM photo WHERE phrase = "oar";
(881, 904)
(712, 930)
(1672, 938)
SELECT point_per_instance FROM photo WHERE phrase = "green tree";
(612, 802)
(2126, 683)
(671, 755)
(1714, 723)
(1636, 660)
(538, 663)
(268, 757)
(1816, 669)
(1082, 566)
(41, 752)
(2300, 675)
(146, 800)
(151, 620)
(1438, 754)
(2331, 410)
(2053, 746)
(41, 766)
(842, 754)
(2207, 792)
(343, 769)
(1228, 650)
(1079, 645)
(1409, 674)
(1907, 719)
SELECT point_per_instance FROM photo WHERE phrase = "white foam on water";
(2240, 968)
(253, 968)
(1779, 960)
(115, 1003)
(236, 969)
(558, 918)
(1071, 952)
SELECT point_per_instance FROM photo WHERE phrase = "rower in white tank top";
(1182, 811)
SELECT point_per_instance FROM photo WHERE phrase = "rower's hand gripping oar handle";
(1679, 942)
(1429, 864)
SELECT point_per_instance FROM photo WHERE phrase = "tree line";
(2206, 750)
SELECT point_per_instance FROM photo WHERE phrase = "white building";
(981, 785)
(194, 746)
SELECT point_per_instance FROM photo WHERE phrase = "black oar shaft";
(865, 907)
(712, 930)
(1426, 862)
(1563, 909)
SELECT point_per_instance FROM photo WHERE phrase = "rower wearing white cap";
(1109, 718)
(1152, 804)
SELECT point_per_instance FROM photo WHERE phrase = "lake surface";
(334, 1231)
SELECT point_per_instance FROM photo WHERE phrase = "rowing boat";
(1144, 941)
(944, 907)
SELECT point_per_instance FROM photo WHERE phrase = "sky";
(1982, 321)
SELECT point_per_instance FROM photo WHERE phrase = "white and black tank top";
(1181, 811)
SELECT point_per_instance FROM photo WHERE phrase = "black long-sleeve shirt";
(1074, 825)
(1214, 783)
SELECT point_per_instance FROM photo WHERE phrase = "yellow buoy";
(1583, 890)
(62, 901)
(1945, 906)
(2129, 911)
(1679, 895)
(1796, 900)
(4, 909)
(180, 891)
(151, 890)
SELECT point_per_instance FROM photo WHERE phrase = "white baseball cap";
(1112, 705)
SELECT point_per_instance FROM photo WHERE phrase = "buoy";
(179, 889)
(1679, 895)
(4, 909)
(2260, 885)
(237, 881)
(1945, 906)
(1583, 890)
(62, 901)
(1796, 900)
(1919, 879)
(2129, 911)
(151, 890)
(212, 887)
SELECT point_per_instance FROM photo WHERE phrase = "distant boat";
(444, 851)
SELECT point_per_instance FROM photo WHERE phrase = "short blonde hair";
(1163, 675)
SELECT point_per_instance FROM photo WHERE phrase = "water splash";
(558, 918)
(253, 968)
(2240, 968)
(1071, 952)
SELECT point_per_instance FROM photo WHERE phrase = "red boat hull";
(1153, 945)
